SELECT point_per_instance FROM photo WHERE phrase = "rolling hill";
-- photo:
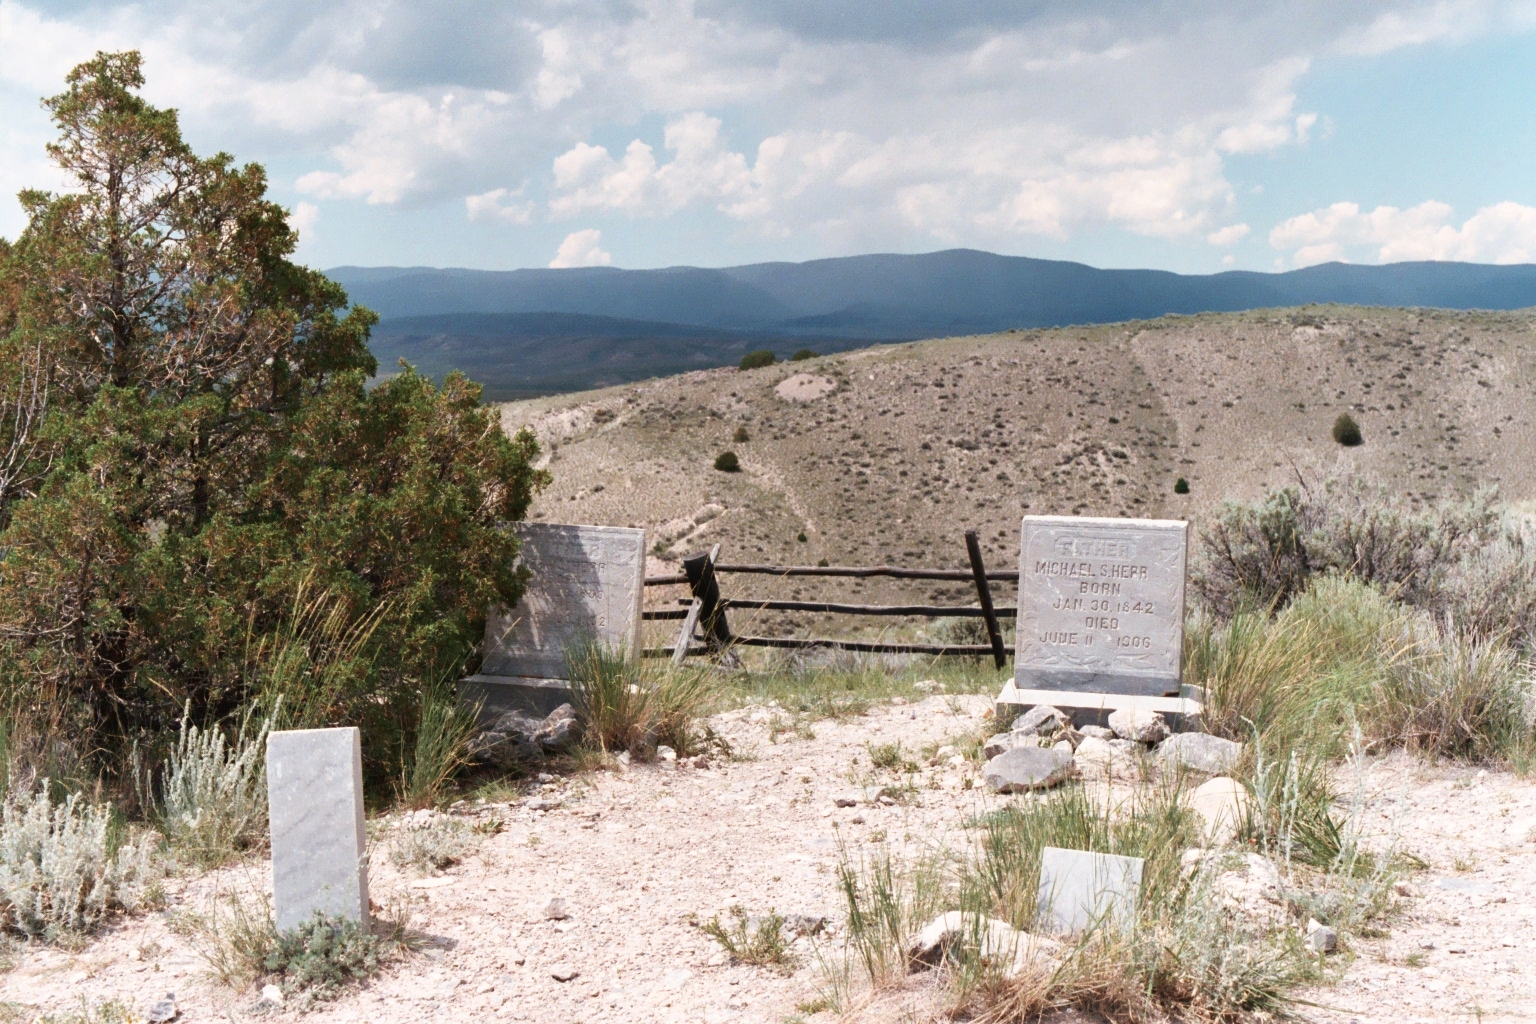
(888, 453)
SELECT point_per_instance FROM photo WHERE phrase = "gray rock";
(849, 799)
(665, 753)
(1200, 752)
(559, 730)
(1098, 732)
(272, 994)
(564, 972)
(1321, 938)
(1139, 725)
(1025, 768)
(1041, 720)
(1099, 758)
(162, 1010)
(515, 738)
(556, 910)
(1006, 741)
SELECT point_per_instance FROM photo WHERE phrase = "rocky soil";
(641, 856)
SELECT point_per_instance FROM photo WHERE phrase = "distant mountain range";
(530, 332)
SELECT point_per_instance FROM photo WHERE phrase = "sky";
(1194, 137)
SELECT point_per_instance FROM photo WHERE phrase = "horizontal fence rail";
(705, 611)
(847, 571)
(932, 611)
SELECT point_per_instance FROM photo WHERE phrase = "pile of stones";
(1044, 749)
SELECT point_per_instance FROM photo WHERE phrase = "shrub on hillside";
(727, 462)
(741, 436)
(803, 354)
(213, 448)
(1264, 553)
(757, 360)
(1346, 431)
(1181, 486)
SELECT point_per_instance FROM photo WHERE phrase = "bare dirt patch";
(804, 387)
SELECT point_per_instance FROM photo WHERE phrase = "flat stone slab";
(1101, 605)
(1081, 890)
(315, 807)
(1022, 769)
(1095, 708)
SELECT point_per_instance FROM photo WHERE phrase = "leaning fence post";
(700, 570)
(685, 635)
(984, 595)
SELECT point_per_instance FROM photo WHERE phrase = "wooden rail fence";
(704, 614)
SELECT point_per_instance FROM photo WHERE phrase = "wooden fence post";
(984, 595)
(700, 570)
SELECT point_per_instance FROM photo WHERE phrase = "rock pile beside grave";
(515, 738)
(1042, 739)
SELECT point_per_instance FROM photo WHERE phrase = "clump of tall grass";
(65, 867)
(1343, 655)
(444, 728)
(1186, 953)
(211, 803)
(626, 707)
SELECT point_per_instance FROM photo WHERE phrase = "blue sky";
(1195, 136)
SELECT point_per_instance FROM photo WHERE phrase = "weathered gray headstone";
(587, 584)
(1079, 889)
(1101, 605)
(319, 846)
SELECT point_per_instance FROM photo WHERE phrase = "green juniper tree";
(188, 443)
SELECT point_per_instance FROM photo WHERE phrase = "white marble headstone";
(1079, 889)
(587, 583)
(319, 846)
(1101, 605)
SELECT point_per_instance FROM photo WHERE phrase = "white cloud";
(582, 249)
(1229, 235)
(1502, 233)
(701, 168)
(304, 218)
(499, 204)
(894, 125)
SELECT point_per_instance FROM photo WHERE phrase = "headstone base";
(1181, 713)
(526, 695)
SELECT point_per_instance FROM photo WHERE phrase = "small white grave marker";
(1079, 889)
(315, 801)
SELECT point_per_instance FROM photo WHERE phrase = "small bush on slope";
(1469, 562)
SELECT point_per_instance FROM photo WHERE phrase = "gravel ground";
(640, 856)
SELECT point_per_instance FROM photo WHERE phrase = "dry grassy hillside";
(886, 455)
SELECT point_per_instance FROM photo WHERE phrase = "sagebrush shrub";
(758, 359)
(727, 462)
(1265, 553)
(802, 354)
(442, 843)
(60, 871)
(212, 800)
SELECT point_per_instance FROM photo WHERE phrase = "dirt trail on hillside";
(644, 855)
